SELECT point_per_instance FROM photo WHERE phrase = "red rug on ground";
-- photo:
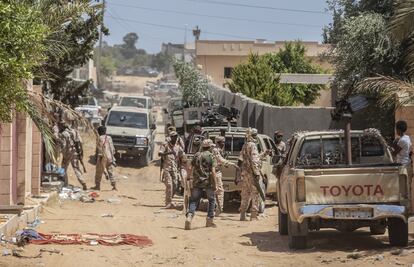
(86, 239)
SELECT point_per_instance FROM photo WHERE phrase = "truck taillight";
(300, 189)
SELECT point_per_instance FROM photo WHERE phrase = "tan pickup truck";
(317, 189)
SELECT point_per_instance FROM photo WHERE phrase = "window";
(134, 102)
(128, 119)
(331, 151)
(227, 72)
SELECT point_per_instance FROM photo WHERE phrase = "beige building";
(216, 59)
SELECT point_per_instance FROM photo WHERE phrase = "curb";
(30, 213)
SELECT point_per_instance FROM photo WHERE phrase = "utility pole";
(185, 41)
(98, 56)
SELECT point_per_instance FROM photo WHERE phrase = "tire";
(297, 233)
(283, 223)
(397, 232)
(377, 229)
(145, 161)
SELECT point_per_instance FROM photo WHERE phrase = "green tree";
(258, 77)
(22, 49)
(192, 84)
(75, 37)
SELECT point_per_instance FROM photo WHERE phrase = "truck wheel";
(397, 232)
(283, 223)
(145, 160)
(226, 201)
(297, 233)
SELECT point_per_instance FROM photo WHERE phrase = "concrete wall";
(267, 118)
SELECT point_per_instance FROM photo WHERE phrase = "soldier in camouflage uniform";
(68, 140)
(171, 154)
(180, 141)
(250, 164)
(105, 159)
(203, 174)
(218, 152)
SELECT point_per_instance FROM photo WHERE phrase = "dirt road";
(233, 243)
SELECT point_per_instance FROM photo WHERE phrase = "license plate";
(353, 213)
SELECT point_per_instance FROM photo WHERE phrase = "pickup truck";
(235, 139)
(317, 189)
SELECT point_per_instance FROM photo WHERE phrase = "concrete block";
(5, 143)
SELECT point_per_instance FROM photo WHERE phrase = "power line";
(182, 28)
(217, 17)
(258, 7)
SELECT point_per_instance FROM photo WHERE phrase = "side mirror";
(165, 111)
(153, 127)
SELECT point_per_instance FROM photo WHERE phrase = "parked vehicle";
(235, 139)
(161, 94)
(91, 110)
(136, 101)
(317, 189)
(133, 132)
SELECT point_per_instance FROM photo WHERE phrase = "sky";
(158, 21)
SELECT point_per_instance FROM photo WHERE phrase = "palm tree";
(395, 90)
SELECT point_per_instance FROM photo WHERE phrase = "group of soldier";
(203, 175)
(69, 144)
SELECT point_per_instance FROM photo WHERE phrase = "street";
(233, 243)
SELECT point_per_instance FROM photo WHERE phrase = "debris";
(379, 257)
(93, 243)
(6, 252)
(172, 216)
(158, 211)
(35, 223)
(25, 236)
(17, 254)
(398, 262)
(107, 215)
(219, 259)
(93, 195)
(246, 243)
(125, 196)
(86, 199)
(326, 261)
(174, 237)
(400, 252)
(113, 200)
(124, 177)
(354, 255)
(56, 251)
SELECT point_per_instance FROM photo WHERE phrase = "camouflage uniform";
(250, 168)
(170, 166)
(105, 160)
(218, 155)
(68, 138)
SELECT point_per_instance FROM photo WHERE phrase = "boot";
(114, 186)
(253, 216)
(242, 216)
(84, 187)
(210, 223)
(188, 222)
(96, 187)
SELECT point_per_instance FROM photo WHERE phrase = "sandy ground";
(233, 243)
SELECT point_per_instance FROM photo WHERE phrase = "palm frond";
(389, 90)
(402, 21)
(41, 110)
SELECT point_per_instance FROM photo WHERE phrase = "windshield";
(331, 151)
(128, 119)
(134, 102)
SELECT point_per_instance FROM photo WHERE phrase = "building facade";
(20, 159)
(216, 59)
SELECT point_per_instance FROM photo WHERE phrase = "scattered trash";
(93, 194)
(107, 215)
(219, 259)
(17, 254)
(326, 261)
(379, 257)
(23, 237)
(94, 243)
(6, 252)
(174, 237)
(86, 199)
(172, 216)
(56, 251)
(158, 211)
(113, 200)
(246, 243)
(124, 177)
(354, 255)
(35, 223)
(398, 262)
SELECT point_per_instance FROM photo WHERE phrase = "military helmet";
(220, 139)
(173, 133)
(207, 143)
(253, 131)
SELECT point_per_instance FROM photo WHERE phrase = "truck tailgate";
(353, 185)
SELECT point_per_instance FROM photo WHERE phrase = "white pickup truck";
(318, 190)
